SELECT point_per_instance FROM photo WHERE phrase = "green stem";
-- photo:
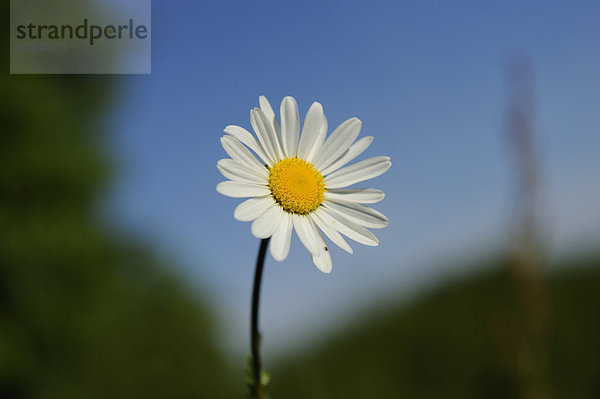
(254, 333)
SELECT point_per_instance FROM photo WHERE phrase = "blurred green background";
(84, 313)
(87, 312)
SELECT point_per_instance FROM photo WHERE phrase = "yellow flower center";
(296, 185)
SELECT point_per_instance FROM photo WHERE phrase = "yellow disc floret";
(296, 185)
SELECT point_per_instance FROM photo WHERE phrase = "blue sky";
(426, 78)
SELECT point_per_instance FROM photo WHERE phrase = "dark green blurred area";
(85, 313)
(461, 341)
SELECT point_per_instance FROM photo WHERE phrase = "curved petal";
(281, 239)
(363, 170)
(346, 227)
(355, 150)
(323, 261)
(360, 195)
(358, 213)
(267, 110)
(265, 225)
(235, 171)
(290, 126)
(236, 150)
(266, 135)
(252, 208)
(339, 141)
(307, 233)
(331, 232)
(313, 133)
(238, 189)
(248, 139)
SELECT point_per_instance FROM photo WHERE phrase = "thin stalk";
(254, 333)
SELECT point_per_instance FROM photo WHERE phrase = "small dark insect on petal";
(325, 248)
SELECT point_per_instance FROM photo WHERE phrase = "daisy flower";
(297, 181)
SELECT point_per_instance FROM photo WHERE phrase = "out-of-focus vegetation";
(460, 341)
(83, 313)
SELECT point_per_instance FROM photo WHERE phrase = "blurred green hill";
(459, 341)
(84, 312)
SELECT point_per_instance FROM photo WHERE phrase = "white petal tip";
(221, 189)
(259, 234)
(384, 221)
(346, 247)
(380, 226)
(317, 105)
(323, 270)
(323, 262)
(278, 258)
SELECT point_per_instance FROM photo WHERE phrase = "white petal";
(267, 110)
(266, 135)
(339, 141)
(236, 150)
(361, 195)
(323, 262)
(355, 150)
(235, 171)
(363, 170)
(248, 139)
(307, 233)
(250, 209)
(263, 137)
(348, 228)
(266, 224)
(331, 232)
(280, 242)
(238, 189)
(265, 107)
(274, 133)
(313, 133)
(290, 126)
(359, 214)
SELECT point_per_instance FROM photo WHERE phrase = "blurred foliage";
(84, 313)
(458, 342)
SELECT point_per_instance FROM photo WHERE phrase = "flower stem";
(254, 333)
